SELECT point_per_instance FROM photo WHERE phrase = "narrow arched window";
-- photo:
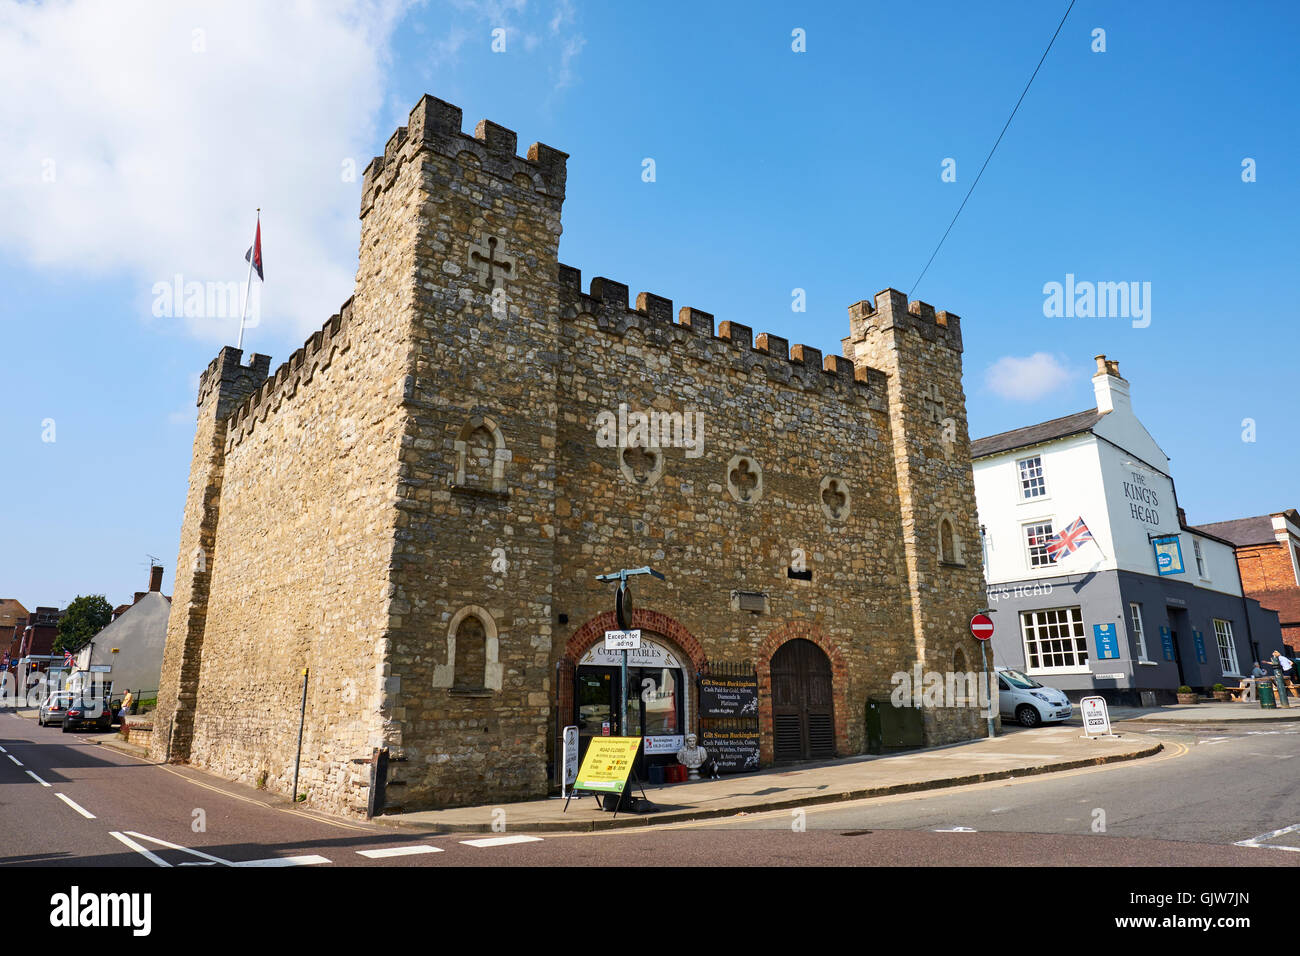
(947, 542)
(471, 655)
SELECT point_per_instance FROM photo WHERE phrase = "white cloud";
(163, 126)
(1026, 379)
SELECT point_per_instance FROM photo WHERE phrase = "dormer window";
(1032, 483)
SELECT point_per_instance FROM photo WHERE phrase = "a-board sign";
(607, 764)
(570, 756)
(622, 640)
(735, 750)
(729, 696)
(1096, 719)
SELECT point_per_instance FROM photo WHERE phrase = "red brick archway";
(839, 681)
(594, 630)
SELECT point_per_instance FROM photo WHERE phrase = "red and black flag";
(254, 255)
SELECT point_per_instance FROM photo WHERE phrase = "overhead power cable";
(993, 150)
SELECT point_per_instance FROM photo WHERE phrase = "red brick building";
(1268, 556)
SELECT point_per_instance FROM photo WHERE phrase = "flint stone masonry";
(411, 504)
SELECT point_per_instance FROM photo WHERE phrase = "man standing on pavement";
(1283, 668)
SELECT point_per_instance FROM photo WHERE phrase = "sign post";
(981, 628)
(623, 614)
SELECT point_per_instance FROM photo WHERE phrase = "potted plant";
(1187, 696)
(1221, 692)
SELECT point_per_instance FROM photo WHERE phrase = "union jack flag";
(67, 658)
(1069, 540)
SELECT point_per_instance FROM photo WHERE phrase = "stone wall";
(735, 512)
(414, 502)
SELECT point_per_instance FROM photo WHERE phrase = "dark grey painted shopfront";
(1182, 644)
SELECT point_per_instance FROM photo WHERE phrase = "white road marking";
(398, 851)
(502, 841)
(14, 759)
(284, 861)
(72, 803)
(1258, 841)
(37, 779)
(184, 849)
(3, 751)
(954, 830)
(147, 854)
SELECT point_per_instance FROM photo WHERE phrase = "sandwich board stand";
(1096, 718)
(604, 772)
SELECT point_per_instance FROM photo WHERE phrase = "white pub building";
(1143, 603)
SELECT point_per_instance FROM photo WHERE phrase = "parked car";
(88, 712)
(53, 708)
(1028, 702)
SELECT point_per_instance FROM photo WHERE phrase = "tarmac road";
(65, 801)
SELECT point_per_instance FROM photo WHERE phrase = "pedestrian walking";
(126, 708)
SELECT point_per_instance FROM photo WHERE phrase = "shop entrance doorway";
(656, 701)
(803, 716)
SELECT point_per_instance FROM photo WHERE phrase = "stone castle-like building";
(414, 508)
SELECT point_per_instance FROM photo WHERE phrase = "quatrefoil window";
(745, 479)
(835, 498)
(641, 466)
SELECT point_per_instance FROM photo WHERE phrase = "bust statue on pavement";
(692, 756)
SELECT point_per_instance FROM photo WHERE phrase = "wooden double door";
(803, 712)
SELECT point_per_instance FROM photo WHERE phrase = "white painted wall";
(1074, 489)
(1120, 497)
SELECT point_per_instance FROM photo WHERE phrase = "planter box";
(1222, 695)
(1189, 699)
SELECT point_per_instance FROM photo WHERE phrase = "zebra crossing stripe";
(501, 841)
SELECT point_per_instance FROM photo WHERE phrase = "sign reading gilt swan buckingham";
(729, 696)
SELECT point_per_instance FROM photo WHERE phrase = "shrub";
(1184, 689)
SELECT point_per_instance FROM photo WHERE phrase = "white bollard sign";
(1096, 719)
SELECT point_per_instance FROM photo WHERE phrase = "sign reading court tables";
(607, 764)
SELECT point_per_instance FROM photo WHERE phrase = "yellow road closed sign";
(607, 764)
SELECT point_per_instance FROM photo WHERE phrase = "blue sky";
(140, 143)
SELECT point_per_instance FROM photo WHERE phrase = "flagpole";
(248, 284)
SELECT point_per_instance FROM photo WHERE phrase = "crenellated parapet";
(732, 344)
(891, 310)
(227, 375)
(316, 354)
(436, 125)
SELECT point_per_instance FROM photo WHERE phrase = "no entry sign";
(981, 626)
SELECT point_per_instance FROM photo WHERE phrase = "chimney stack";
(1110, 387)
(155, 577)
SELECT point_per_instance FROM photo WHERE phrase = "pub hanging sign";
(1169, 554)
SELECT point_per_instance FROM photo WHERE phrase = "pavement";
(1046, 750)
(1210, 712)
(1016, 753)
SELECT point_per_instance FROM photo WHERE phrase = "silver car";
(53, 708)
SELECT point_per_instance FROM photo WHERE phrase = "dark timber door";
(803, 720)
